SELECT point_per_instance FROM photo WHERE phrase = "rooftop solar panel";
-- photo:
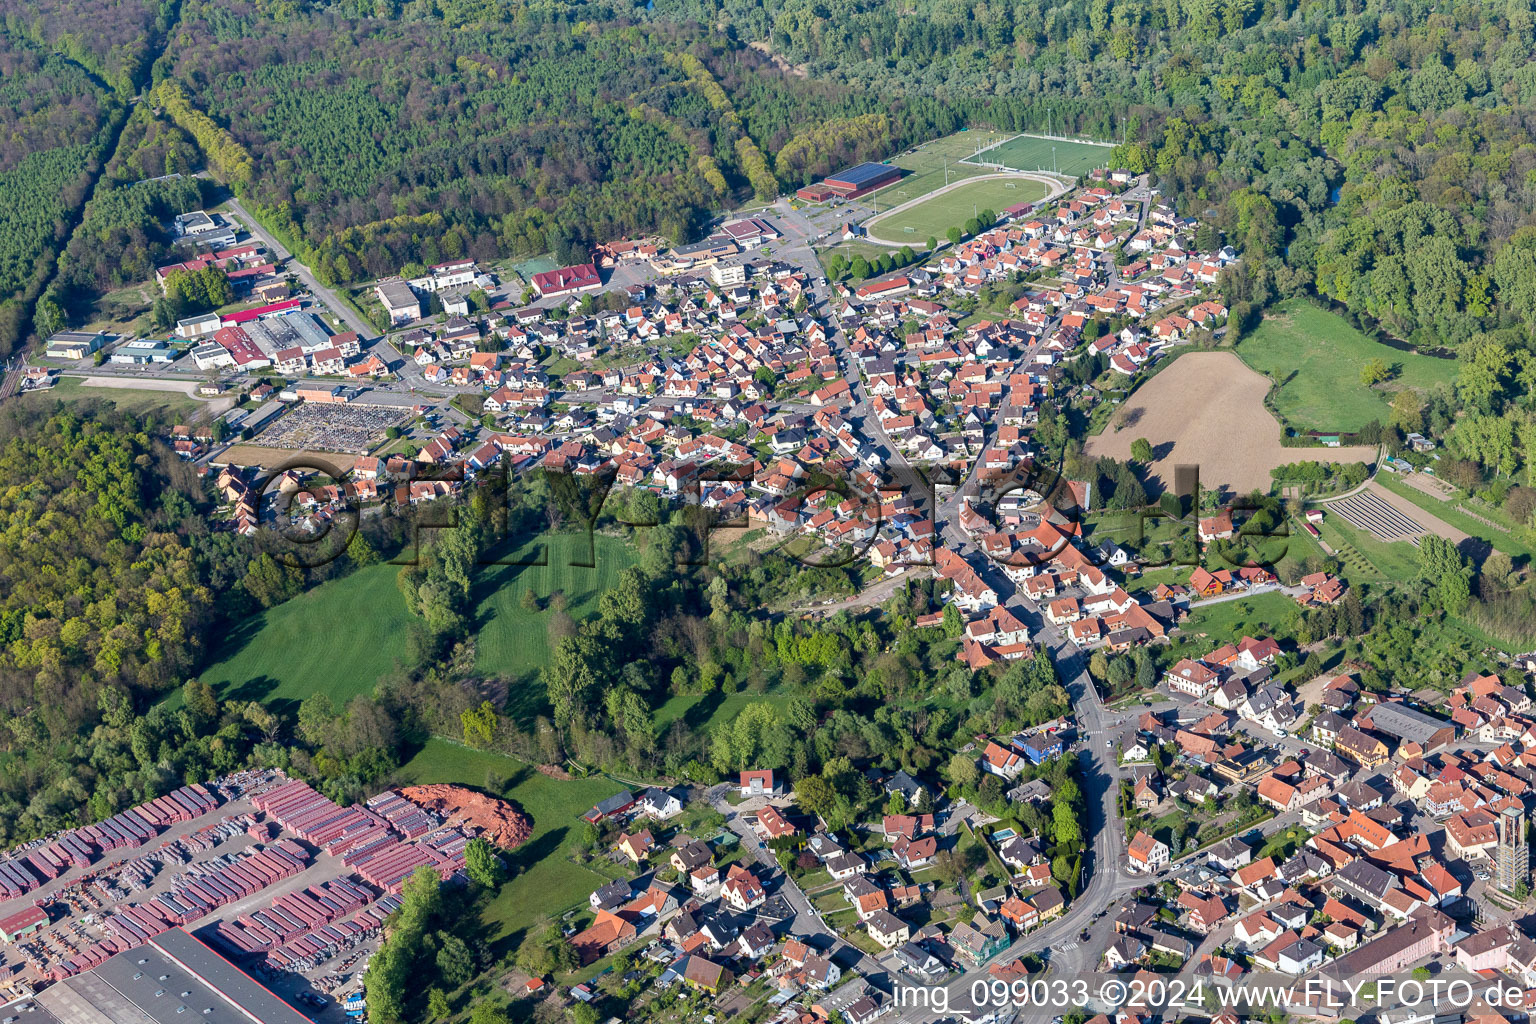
(862, 174)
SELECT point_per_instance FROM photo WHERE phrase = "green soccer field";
(929, 162)
(1028, 153)
(935, 216)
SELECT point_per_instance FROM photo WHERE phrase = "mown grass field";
(927, 164)
(342, 636)
(1031, 153)
(935, 216)
(546, 882)
(512, 641)
(134, 401)
(338, 638)
(1256, 616)
(1316, 356)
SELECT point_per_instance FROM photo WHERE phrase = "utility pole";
(1053, 161)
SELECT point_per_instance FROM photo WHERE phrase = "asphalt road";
(807, 922)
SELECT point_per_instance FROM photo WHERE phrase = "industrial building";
(205, 229)
(862, 180)
(172, 979)
(198, 326)
(74, 344)
(20, 925)
(399, 301)
(1406, 725)
(143, 351)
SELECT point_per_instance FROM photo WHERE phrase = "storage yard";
(279, 878)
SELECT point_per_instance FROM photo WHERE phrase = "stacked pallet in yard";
(16, 880)
(403, 816)
(200, 895)
(388, 863)
(313, 817)
(183, 805)
(333, 937)
(295, 914)
(195, 897)
(81, 847)
(132, 925)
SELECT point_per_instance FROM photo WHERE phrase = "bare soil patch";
(1207, 410)
(1437, 489)
(1418, 515)
(269, 458)
(501, 823)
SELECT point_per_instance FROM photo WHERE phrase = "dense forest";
(54, 127)
(373, 143)
(1376, 153)
(67, 72)
(112, 583)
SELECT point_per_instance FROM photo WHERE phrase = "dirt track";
(1208, 410)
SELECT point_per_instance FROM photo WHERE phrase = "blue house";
(1040, 749)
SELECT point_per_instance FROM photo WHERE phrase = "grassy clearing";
(124, 310)
(1030, 153)
(701, 713)
(1257, 616)
(546, 882)
(342, 636)
(136, 402)
(937, 215)
(512, 641)
(1316, 356)
(338, 638)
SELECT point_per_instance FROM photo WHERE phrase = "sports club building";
(852, 183)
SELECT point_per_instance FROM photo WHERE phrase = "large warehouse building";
(852, 183)
(1406, 725)
(174, 979)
